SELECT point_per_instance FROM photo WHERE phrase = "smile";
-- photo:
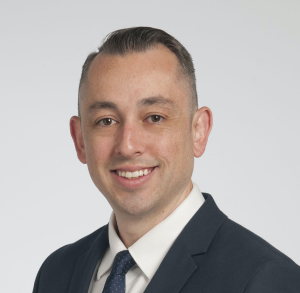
(134, 174)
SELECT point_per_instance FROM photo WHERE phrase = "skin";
(148, 125)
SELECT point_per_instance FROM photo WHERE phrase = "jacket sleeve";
(275, 277)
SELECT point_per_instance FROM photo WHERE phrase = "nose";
(129, 142)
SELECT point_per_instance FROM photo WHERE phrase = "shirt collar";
(150, 250)
(115, 245)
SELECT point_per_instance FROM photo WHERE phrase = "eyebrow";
(102, 105)
(158, 100)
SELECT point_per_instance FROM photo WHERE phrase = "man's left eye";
(106, 121)
(155, 118)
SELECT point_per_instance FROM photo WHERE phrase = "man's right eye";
(106, 122)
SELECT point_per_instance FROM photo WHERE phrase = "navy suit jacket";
(211, 255)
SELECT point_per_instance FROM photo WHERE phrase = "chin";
(135, 205)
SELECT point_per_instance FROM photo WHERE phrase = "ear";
(75, 129)
(202, 124)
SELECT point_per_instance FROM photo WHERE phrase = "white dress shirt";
(150, 250)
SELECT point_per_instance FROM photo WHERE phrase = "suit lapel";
(174, 271)
(202, 228)
(87, 263)
(178, 265)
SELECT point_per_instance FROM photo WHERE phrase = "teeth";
(133, 175)
(128, 174)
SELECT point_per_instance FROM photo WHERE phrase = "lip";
(133, 183)
(133, 168)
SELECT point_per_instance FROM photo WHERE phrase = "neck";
(131, 229)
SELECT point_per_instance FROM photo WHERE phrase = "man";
(139, 129)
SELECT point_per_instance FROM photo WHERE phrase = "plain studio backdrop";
(247, 61)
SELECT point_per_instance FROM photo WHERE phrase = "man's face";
(136, 123)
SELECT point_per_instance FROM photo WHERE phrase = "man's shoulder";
(274, 276)
(242, 261)
(71, 252)
(227, 239)
(251, 260)
(59, 266)
(242, 242)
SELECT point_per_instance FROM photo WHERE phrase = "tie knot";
(123, 262)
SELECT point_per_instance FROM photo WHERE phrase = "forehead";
(158, 57)
(134, 76)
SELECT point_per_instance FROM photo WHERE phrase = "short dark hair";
(139, 39)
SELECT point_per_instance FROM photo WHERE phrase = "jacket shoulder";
(58, 267)
(240, 259)
(267, 269)
(275, 277)
(71, 252)
(249, 245)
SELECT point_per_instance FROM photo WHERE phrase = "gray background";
(246, 55)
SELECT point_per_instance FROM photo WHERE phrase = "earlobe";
(76, 133)
(202, 125)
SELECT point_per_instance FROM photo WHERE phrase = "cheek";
(174, 147)
(98, 151)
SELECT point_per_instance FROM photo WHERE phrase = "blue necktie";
(115, 282)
